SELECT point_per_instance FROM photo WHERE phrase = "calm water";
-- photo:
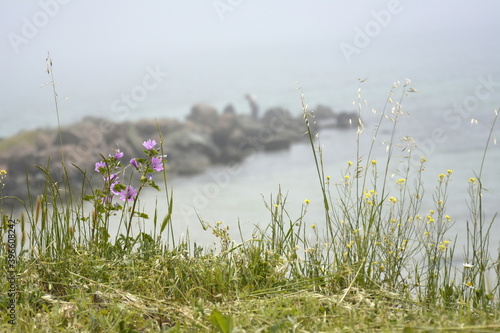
(445, 75)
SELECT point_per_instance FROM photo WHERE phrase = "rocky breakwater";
(206, 137)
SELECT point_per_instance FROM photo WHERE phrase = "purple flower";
(100, 165)
(149, 144)
(112, 188)
(118, 154)
(134, 163)
(128, 194)
(156, 163)
(112, 177)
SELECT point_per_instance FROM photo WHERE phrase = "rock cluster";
(206, 137)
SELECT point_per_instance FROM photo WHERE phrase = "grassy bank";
(379, 261)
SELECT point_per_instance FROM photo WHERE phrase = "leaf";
(222, 323)
(167, 218)
(88, 197)
(142, 215)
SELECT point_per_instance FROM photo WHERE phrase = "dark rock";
(347, 119)
(205, 138)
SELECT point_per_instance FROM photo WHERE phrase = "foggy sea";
(451, 115)
(449, 127)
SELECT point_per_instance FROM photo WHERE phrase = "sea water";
(449, 122)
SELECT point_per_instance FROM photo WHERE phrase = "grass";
(378, 262)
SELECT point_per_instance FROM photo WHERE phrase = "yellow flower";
(472, 180)
(423, 159)
(3, 172)
(346, 177)
(349, 163)
(313, 226)
(328, 177)
(431, 211)
(440, 202)
(393, 200)
(447, 217)
(374, 162)
(401, 181)
(307, 201)
(449, 171)
(441, 176)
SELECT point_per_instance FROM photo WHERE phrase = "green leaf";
(142, 215)
(88, 197)
(222, 323)
(168, 217)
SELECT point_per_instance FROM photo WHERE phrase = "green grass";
(381, 262)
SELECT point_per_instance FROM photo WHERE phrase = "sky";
(102, 48)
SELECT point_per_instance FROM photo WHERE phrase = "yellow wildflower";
(448, 218)
(449, 171)
(393, 200)
(307, 201)
(374, 162)
(472, 180)
(346, 177)
(313, 226)
(401, 181)
(349, 163)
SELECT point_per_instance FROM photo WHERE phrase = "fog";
(217, 51)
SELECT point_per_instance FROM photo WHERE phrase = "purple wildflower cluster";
(111, 167)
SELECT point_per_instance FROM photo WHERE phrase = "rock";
(323, 112)
(205, 138)
(67, 136)
(203, 114)
(347, 119)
